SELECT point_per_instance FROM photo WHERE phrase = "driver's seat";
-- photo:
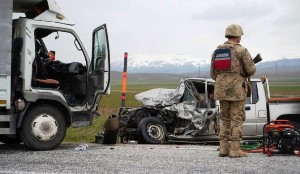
(40, 69)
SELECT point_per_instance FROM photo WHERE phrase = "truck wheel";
(9, 140)
(43, 128)
(152, 131)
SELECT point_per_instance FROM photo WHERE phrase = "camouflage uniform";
(231, 91)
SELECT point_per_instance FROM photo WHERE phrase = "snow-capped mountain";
(189, 64)
(161, 64)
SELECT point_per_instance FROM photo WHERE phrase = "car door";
(99, 70)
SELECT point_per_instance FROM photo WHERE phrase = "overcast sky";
(188, 28)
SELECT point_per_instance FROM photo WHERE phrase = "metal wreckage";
(187, 113)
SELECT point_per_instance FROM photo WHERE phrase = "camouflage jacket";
(229, 85)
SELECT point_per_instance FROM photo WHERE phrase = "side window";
(100, 46)
(254, 95)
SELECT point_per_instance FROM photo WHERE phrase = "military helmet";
(234, 30)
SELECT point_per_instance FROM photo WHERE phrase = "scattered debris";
(81, 147)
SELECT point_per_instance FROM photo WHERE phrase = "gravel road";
(136, 158)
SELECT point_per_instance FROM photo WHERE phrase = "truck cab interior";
(67, 72)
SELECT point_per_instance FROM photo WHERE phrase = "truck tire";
(43, 127)
(152, 131)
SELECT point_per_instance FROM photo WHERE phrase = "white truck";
(47, 81)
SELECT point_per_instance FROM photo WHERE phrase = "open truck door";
(99, 70)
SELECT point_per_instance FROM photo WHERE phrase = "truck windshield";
(62, 43)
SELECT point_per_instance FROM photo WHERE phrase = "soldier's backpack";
(223, 59)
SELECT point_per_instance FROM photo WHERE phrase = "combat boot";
(224, 148)
(235, 151)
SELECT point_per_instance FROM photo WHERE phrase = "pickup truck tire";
(43, 127)
(152, 131)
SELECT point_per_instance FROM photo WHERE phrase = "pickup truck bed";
(277, 100)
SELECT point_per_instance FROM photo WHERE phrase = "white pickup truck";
(260, 109)
(188, 114)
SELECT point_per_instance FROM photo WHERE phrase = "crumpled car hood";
(161, 96)
(169, 99)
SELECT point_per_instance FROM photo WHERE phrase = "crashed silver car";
(187, 113)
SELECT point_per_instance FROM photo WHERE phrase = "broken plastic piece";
(81, 147)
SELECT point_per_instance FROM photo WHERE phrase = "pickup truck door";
(250, 124)
(99, 70)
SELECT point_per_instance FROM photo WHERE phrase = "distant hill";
(280, 70)
(145, 78)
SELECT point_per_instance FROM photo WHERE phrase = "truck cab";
(52, 83)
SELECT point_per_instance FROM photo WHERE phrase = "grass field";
(285, 90)
(111, 103)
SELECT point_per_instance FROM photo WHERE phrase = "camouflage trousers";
(232, 119)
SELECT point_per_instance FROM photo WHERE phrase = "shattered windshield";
(190, 92)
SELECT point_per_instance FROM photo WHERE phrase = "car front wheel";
(152, 131)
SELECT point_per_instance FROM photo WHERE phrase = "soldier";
(231, 64)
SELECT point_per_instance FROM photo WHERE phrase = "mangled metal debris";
(187, 113)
